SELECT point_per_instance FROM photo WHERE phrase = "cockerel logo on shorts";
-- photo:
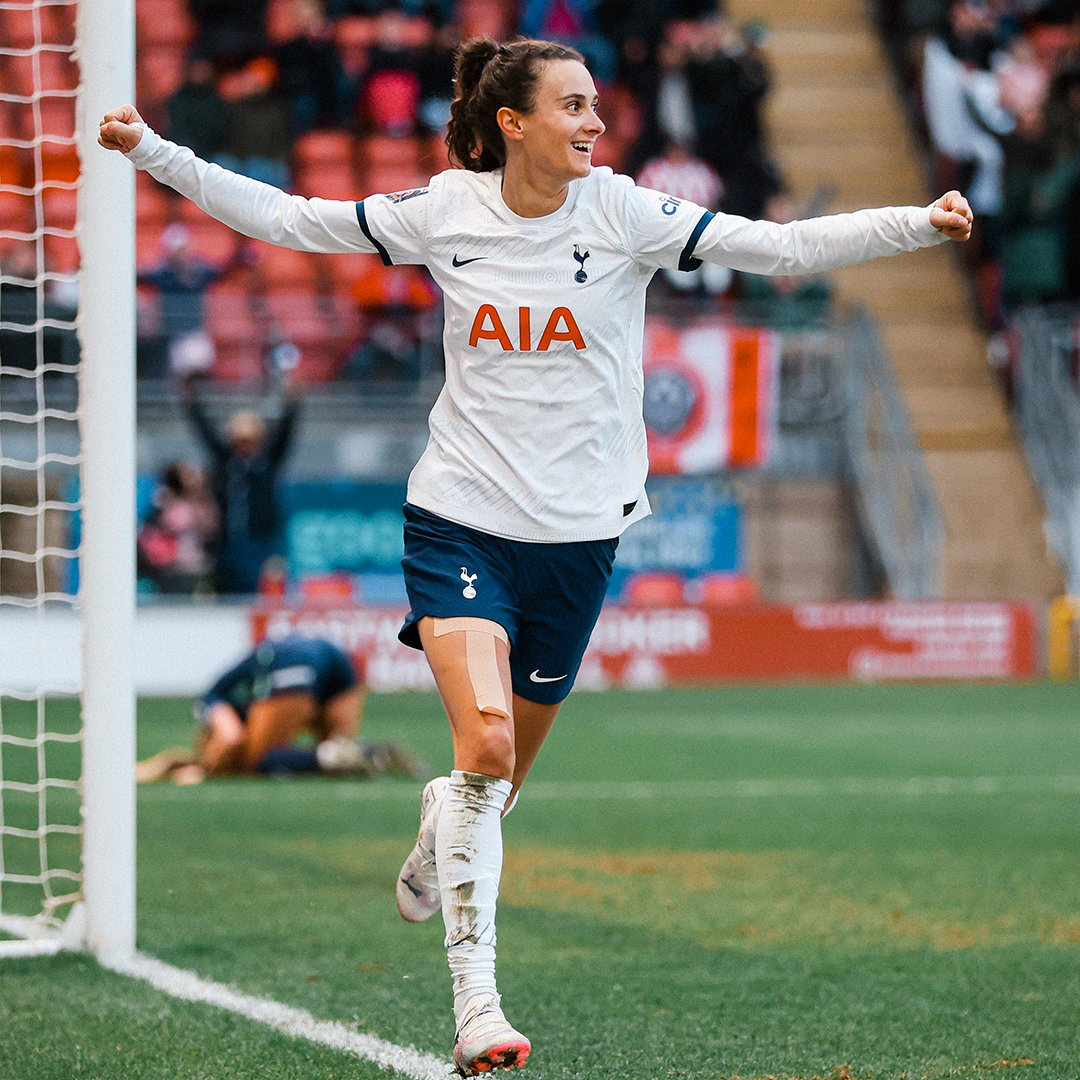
(468, 592)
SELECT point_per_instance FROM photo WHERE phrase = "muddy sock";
(468, 853)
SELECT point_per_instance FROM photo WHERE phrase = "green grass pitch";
(662, 916)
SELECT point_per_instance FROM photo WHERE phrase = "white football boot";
(485, 1040)
(418, 896)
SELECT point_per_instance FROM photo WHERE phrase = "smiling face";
(555, 140)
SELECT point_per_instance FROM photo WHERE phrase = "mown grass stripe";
(766, 788)
(297, 1023)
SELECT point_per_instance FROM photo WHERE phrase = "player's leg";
(470, 660)
(532, 723)
(341, 716)
(273, 724)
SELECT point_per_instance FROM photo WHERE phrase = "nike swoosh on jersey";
(537, 677)
(465, 262)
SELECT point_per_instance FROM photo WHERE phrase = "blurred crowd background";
(344, 98)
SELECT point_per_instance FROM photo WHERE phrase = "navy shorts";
(546, 597)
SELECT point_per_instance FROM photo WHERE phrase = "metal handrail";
(895, 494)
(1048, 411)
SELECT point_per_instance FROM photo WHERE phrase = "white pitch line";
(298, 1023)
(604, 790)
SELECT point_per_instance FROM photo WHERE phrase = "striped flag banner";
(710, 394)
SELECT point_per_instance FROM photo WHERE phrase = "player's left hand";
(952, 216)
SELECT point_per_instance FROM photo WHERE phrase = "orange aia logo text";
(489, 326)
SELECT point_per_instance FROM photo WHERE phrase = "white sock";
(468, 854)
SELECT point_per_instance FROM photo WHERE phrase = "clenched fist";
(952, 216)
(121, 129)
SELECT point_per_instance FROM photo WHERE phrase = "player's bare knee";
(491, 747)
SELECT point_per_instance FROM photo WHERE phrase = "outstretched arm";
(252, 208)
(826, 243)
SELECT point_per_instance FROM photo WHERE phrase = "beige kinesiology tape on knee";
(480, 659)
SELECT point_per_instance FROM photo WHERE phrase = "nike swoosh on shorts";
(536, 677)
(465, 262)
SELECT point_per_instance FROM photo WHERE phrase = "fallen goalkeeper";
(254, 718)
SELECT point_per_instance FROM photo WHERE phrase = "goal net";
(66, 480)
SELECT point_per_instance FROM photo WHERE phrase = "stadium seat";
(237, 362)
(214, 242)
(163, 22)
(390, 100)
(58, 24)
(16, 212)
(726, 589)
(324, 148)
(61, 207)
(58, 71)
(655, 589)
(328, 180)
(161, 70)
(61, 254)
(58, 116)
(59, 161)
(17, 27)
(152, 201)
(284, 268)
(355, 32)
(379, 149)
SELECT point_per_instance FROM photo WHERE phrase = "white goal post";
(95, 905)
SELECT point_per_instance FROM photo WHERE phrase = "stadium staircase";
(836, 123)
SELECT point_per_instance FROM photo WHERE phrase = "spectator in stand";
(258, 134)
(1040, 176)
(574, 23)
(398, 304)
(961, 98)
(389, 97)
(310, 72)
(181, 280)
(245, 463)
(229, 32)
(177, 538)
(197, 113)
(682, 174)
(728, 80)
(712, 82)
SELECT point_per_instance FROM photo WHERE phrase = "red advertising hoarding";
(863, 641)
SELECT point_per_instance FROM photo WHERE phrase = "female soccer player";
(536, 460)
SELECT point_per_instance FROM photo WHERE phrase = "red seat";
(61, 254)
(161, 70)
(328, 180)
(390, 101)
(238, 362)
(61, 207)
(163, 22)
(58, 116)
(655, 590)
(16, 212)
(726, 589)
(355, 32)
(325, 148)
(379, 149)
(283, 267)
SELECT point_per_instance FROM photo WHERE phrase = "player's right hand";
(121, 129)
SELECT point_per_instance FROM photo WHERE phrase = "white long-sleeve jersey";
(538, 433)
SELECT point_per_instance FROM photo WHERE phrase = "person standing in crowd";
(245, 462)
(537, 458)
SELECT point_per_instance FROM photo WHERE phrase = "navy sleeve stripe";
(383, 253)
(686, 259)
